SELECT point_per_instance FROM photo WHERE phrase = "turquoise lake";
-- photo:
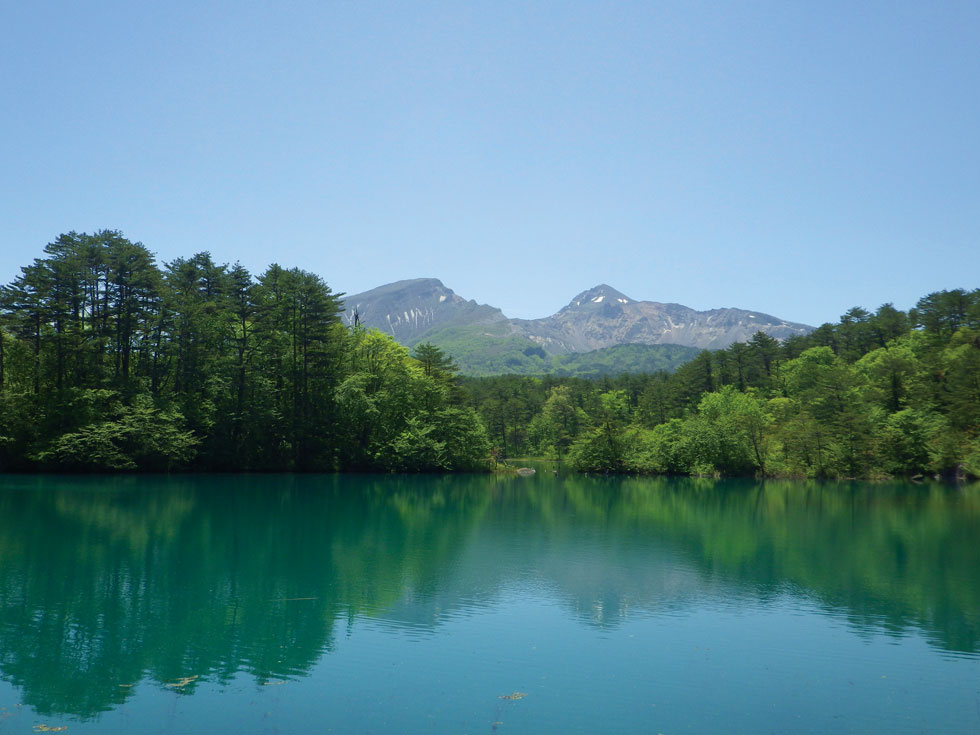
(479, 604)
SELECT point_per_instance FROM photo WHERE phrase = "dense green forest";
(879, 394)
(489, 349)
(111, 362)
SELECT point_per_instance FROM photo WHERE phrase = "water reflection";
(107, 582)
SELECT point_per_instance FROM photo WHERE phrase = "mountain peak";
(600, 294)
(411, 289)
(414, 284)
(410, 308)
(425, 309)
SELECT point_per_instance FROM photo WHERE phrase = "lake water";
(385, 604)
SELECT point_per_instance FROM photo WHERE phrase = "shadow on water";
(105, 582)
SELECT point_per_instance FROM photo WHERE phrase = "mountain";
(601, 320)
(408, 309)
(603, 317)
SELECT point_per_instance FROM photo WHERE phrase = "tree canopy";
(109, 361)
(878, 394)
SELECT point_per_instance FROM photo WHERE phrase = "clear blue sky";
(793, 158)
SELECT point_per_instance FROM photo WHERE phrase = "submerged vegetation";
(111, 362)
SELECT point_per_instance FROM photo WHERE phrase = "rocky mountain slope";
(408, 309)
(603, 317)
(484, 341)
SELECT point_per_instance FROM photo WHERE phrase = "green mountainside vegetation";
(111, 362)
(488, 349)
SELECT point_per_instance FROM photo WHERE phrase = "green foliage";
(489, 349)
(600, 450)
(451, 439)
(109, 362)
(415, 448)
(905, 438)
(622, 359)
(561, 420)
(735, 426)
(434, 362)
(667, 450)
(138, 437)
(877, 395)
(971, 458)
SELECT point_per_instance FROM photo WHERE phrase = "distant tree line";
(879, 394)
(111, 362)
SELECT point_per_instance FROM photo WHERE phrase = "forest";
(111, 362)
(883, 394)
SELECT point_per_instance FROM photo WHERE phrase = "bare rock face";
(603, 317)
(408, 309)
(598, 318)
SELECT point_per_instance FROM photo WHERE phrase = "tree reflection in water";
(105, 582)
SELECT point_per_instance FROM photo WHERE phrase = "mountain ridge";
(598, 318)
(409, 308)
